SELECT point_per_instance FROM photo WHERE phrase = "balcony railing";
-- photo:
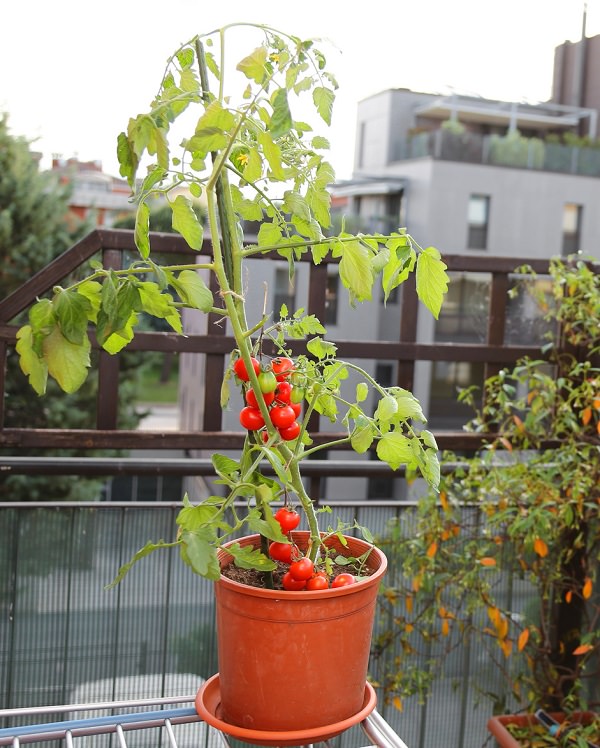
(494, 150)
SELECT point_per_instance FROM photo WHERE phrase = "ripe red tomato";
(283, 392)
(287, 518)
(289, 583)
(282, 367)
(291, 432)
(343, 579)
(252, 401)
(282, 416)
(281, 552)
(297, 408)
(302, 569)
(251, 418)
(318, 582)
(267, 381)
(240, 370)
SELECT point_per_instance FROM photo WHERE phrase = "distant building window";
(284, 291)
(331, 299)
(572, 215)
(478, 218)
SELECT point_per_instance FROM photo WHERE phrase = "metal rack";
(127, 719)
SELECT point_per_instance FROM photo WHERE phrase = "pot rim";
(366, 582)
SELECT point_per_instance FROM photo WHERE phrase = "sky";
(74, 72)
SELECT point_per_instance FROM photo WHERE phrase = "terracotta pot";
(295, 660)
(497, 725)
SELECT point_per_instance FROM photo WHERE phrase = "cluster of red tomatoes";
(302, 574)
(283, 399)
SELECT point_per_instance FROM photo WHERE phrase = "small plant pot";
(294, 661)
(498, 725)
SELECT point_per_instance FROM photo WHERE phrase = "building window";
(478, 218)
(331, 299)
(572, 214)
(284, 291)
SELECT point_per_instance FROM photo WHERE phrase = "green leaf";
(323, 99)
(142, 229)
(430, 468)
(281, 119)
(142, 553)
(269, 234)
(254, 65)
(387, 408)
(272, 153)
(193, 291)
(159, 304)
(253, 170)
(199, 552)
(362, 391)
(92, 290)
(408, 405)
(247, 557)
(395, 449)
(71, 310)
(362, 435)
(355, 271)
(321, 348)
(432, 280)
(67, 362)
(118, 339)
(128, 160)
(34, 367)
(185, 221)
(225, 466)
(319, 201)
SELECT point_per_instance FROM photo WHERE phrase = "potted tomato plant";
(246, 154)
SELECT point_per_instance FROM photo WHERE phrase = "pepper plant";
(239, 148)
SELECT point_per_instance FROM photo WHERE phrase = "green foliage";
(523, 513)
(246, 154)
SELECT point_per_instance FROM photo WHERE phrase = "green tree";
(33, 231)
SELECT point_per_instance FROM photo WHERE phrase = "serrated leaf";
(71, 312)
(395, 449)
(323, 99)
(67, 362)
(355, 271)
(225, 466)
(92, 290)
(142, 553)
(432, 280)
(319, 201)
(142, 228)
(321, 348)
(272, 153)
(193, 291)
(253, 66)
(199, 552)
(34, 367)
(387, 408)
(362, 435)
(118, 339)
(408, 405)
(185, 221)
(269, 234)
(281, 119)
(247, 557)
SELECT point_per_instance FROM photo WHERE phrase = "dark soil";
(254, 578)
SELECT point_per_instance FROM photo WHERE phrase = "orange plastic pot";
(295, 660)
(498, 725)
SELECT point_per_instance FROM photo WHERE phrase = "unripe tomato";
(239, 368)
(281, 552)
(282, 367)
(341, 580)
(289, 583)
(251, 418)
(287, 518)
(267, 381)
(283, 392)
(291, 432)
(302, 569)
(296, 395)
(282, 416)
(250, 397)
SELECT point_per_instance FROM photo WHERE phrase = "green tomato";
(297, 395)
(267, 381)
